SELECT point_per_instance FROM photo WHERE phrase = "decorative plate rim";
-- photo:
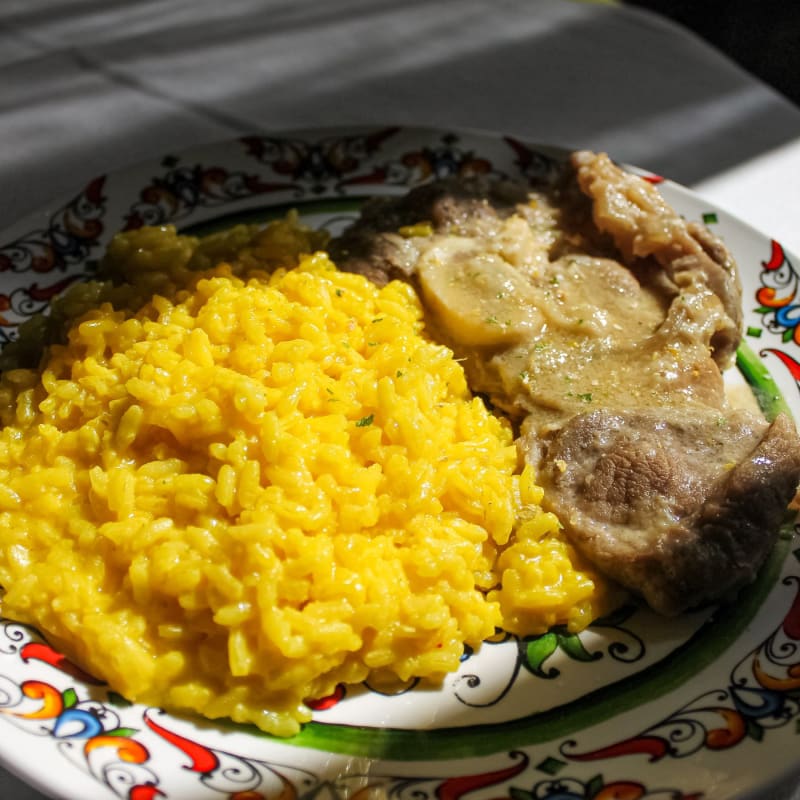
(58, 240)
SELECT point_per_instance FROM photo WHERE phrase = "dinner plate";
(637, 706)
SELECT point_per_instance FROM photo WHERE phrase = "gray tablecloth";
(88, 86)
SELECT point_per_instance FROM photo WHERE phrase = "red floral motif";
(40, 651)
(343, 163)
(776, 258)
(217, 769)
(791, 623)
(202, 758)
(790, 363)
(145, 793)
(328, 162)
(183, 189)
(455, 788)
(778, 295)
(760, 696)
(28, 300)
(73, 231)
(330, 701)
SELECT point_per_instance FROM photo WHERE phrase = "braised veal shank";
(600, 321)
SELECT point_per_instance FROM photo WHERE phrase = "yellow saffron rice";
(246, 477)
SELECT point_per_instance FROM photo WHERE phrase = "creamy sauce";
(553, 338)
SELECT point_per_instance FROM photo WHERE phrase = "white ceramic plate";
(636, 707)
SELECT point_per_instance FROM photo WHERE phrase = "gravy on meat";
(601, 321)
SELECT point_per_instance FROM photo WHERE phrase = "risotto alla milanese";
(242, 477)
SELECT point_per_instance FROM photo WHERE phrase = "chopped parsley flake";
(364, 421)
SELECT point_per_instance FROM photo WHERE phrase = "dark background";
(763, 36)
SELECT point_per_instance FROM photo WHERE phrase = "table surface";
(88, 87)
